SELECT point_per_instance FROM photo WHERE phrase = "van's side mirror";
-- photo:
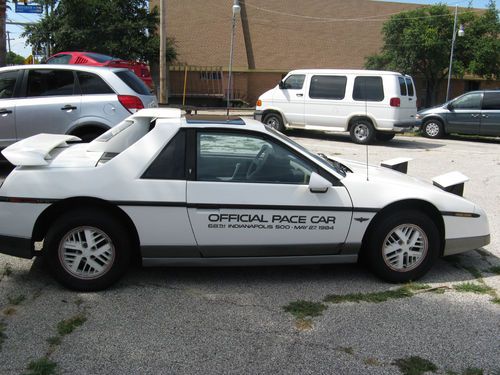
(318, 184)
(282, 85)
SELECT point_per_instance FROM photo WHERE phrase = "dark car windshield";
(133, 82)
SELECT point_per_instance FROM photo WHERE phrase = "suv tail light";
(395, 102)
(131, 103)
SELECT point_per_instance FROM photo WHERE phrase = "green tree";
(121, 28)
(418, 42)
(13, 58)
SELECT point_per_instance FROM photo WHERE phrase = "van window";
(295, 82)
(468, 101)
(368, 88)
(328, 87)
(491, 100)
(409, 83)
(402, 86)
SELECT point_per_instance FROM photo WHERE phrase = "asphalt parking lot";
(251, 321)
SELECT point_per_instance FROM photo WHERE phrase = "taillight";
(395, 102)
(259, 103)
(131, 103)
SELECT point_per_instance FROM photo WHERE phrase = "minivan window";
(134, 82)
(402, 86)
(409, 83)
(491, 100)
(47, 82)
(368, 88)
(328, 87)
(7, 83)
(468, 101)
(92, 84)
(295, 82)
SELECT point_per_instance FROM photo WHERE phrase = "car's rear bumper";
(409, 124)
(459, 245)
(16, 246)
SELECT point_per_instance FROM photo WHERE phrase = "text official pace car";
(196, 192)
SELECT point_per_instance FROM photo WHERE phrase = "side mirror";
(450, 106)
(318, 184)
(282, 85)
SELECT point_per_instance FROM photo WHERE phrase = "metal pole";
(236, 9)
(451, 53)
(163, 53)
(185, 84)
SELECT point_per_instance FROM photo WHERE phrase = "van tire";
(274, 120)
(362, 131)
(384, 137)
(433, 128)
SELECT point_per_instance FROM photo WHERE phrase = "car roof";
(346, 71)
(84, 68)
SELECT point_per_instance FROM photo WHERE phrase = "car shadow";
(473, 138)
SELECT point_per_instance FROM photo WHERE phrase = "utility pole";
(246, 35)
(8, 41)
(163, 53)
(3, 16)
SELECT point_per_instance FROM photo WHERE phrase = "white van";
(370, 104)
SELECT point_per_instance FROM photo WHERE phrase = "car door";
(464, 114)
(249, 196)
(8, 107)
(51, 103)
(289, 98)
(324, 102)
(490, 114)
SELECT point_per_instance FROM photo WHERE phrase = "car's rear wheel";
(384, 137)
(362, 131)
(402, 246)
(433, 129)
(87, 250)
(274, 120)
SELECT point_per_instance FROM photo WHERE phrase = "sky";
(18, 44)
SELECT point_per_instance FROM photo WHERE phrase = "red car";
(98, 59)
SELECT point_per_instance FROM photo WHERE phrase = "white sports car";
(176, 191)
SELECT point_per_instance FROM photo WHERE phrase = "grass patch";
(3, 336)
(496, 300)
(473, 371)
(376, 297)
(304, 324)
(17, 300)
(473, 271)
(414, 365)
(65, 327)
(495, 270)
(303, 309)
(372, 362)
(54, 340)
(417, 286)
(347, 350)
(42, 366)
(473, 288)
(7, 271)
(9, 311)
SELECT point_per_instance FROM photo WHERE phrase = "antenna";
(367, 177)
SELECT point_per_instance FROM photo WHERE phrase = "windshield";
(329, 163)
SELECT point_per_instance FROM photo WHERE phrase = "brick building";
(272, 37)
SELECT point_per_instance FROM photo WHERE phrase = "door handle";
(68, 108)
(410, 99)
(484, 116)
(474, 115)
(300, 95)
(5, 111)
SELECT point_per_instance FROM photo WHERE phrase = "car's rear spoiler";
(452, 182)
(397, 164)
(33, 151)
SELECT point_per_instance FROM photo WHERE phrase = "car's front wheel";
(274, 120)
(87, 250)
(433, 129)
(402, 246)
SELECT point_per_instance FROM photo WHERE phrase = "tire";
(362, 132)
(433, 128)
(274, 120)
(388, 255)
(69, 237)
(384, 137)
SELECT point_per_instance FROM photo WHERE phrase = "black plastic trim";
(16, 246)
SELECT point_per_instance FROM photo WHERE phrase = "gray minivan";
(475, 112)
(79, 100)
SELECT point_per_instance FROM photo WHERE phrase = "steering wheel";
(258, 161)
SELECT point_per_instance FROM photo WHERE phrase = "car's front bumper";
(16, 246)
(459, 245)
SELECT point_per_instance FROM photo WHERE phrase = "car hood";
(435, 109)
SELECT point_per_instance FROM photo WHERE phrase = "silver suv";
(80, 100)
(476, 112)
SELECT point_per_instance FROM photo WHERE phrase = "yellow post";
(185, 84)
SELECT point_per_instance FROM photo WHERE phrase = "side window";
(368, 89)
(295, 82)
(491, 100)
(328, 87)
(7, 84)
(92, 84)
(402, 86)
(170, 163)
(46, 82)
(411, 89)
(233, 157)
(468, 101)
